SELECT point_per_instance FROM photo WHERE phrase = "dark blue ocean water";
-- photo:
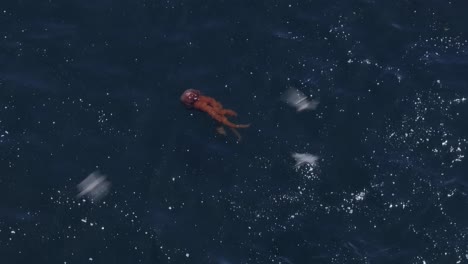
(94, 86)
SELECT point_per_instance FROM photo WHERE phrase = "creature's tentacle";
(228, 123)
(211, 101)
(213, 112)
(216, 114)
(236, 133)
(231, 125)
(229, 112)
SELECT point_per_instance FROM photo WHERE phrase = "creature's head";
(189, 97)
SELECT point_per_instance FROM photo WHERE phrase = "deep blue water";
(94, 86)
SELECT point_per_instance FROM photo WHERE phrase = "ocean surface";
(101, 163)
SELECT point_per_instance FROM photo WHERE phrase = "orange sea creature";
(192, 98)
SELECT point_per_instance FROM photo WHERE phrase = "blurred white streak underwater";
(304, 159)
(95, 187)
(299, 100)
